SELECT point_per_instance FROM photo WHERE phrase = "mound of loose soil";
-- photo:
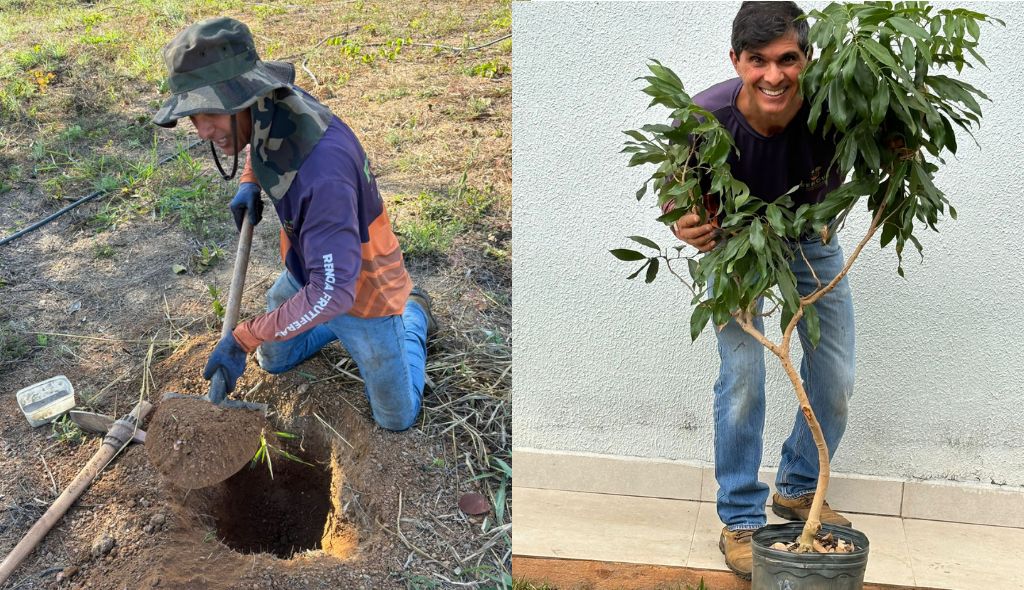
(194, 443)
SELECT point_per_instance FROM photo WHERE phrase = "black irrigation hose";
(86, 198)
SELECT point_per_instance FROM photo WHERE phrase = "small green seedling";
(263, 452)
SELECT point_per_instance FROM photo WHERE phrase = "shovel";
(120, 434)
(218, 384)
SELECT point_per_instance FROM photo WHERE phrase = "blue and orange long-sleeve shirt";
(336, 240)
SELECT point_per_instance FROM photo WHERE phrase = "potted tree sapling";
(884, 87)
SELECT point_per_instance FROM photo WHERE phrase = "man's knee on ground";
(269, 363)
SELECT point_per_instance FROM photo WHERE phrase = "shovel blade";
(100, 423)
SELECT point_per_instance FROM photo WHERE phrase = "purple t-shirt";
(771, 166)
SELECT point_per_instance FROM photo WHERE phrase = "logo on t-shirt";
(815, 181)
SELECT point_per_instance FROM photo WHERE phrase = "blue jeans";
(827, 372)
(390, 352)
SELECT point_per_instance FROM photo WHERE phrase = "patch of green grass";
(67, 432)
(14, 345)
(391, 94)
(103, 251)
(426, 238)
(200, 208)
(490, 69)
(477, 107)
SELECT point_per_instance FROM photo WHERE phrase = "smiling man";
(763, 110)
(344, 276)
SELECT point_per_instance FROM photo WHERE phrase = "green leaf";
(756, 235)
(908, 28)
(774, 215)
(644, 241)
(698, 319)
(694, 266)
(636, 135)
(177, 269)
(652, 271)
(880, 53)
(639, 270)
(41, 339)
(671, 216)
(908, 53)
(627, 255)
(879, 104)
(813, 325)
(502, 466)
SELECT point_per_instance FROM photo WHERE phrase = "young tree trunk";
(813, 524)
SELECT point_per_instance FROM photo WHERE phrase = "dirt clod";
(195, 444)
(102, 545)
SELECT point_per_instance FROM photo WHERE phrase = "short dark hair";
(759, 23)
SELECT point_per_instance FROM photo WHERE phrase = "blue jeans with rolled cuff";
(827, 372)
(390, 352)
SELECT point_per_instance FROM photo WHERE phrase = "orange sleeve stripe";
(245, 338)
(285, 244)
(247, 174)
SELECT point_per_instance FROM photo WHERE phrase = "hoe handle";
(122, 429)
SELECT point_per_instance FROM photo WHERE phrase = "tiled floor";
(606, 527)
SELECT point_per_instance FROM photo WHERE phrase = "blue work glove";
(247, 199)
(227, 355)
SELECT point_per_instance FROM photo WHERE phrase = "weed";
(437, 463)
(67, 432)
(391, 94)
(263, 10)
(478, 107)
(14, 345)
(394, 138)
(71, 134)
(198, 206)
(206, 257)
(489, 69)
(42, 339)
(426, 238)
(103, 251)
(421, 582)
(496, 253)
(215, 304)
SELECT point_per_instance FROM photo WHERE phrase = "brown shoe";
(739, 556)
(799, 508)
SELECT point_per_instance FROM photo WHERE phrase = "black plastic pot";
(782, 570)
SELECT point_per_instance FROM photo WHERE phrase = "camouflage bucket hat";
(213, 68)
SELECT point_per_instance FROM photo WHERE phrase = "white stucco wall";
(604, 365)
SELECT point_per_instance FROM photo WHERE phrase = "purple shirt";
(326, 215)
(771, 166)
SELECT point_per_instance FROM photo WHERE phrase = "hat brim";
(228, 97)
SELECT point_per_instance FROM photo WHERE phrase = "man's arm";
(332, 256)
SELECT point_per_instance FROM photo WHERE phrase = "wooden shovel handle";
(82, 481)
(238, 278)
